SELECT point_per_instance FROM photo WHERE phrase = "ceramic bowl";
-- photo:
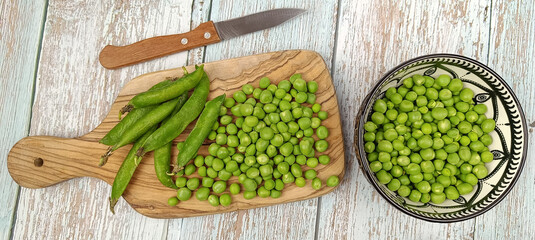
(509, 145)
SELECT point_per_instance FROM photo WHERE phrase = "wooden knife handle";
(119, 56)
(42, 161)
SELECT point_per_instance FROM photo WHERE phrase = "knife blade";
(113, 57)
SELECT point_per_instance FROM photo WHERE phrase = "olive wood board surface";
(41, 161)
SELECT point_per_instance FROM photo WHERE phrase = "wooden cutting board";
(41, 161)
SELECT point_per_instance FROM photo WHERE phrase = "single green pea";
(301, 97)
(229, 102)
(300, 85)
(225, 200)
(333, 181)
(239, 96)
(300, 182)
(431, 94)
(396, 98)
(464, 188)
(192, 183)
(266, 97)
(438, 198)
(296, 170)
(487, 157)
(213, 200)
(248, 89)
(394, 185)
(322, 115)
(423, 187)
(284, 85)
(183, 194)
(263, 192)
(286, 116)
(311, 98)
(207, 182)
(219, 186)
(264, 82)
(321, 145)
(288, 177)
(202, 194)
(383, 177)
(316, 107)
(480, 171)
(280, 93)
(297, 113)
(380, 106)
(404, 191)
(415, 195)
(488, 125)
(312, 86)
(249, 184)
(443, 80)
(451, 193)
(316, 183)
(466, 95)
(480, 108)
(455, 85)
(304, 123)
(406, 106)
(172, 201)
(249, 194)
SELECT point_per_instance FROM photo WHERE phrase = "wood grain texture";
(382, 35)
(64, 159)
(511, 55)
(119, 56)
(312, 30)
(20, 28)
(74, 93)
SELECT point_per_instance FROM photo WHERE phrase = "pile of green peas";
(265, 140)
(427, 140)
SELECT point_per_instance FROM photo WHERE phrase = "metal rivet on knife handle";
(207, 35)
(184, 41)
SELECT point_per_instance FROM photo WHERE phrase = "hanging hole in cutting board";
(38, 162)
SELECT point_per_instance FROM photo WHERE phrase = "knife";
(206, 33)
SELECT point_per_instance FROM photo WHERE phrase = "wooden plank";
(20, 25)
(74, 94)
(314, 30)
(373, 37)
(511, 55)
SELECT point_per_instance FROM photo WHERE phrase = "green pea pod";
(181, 101)
(162, 163)
(126, 171)
(157, 86)
(156, 96)
(162, 155)
(200, 132)
(141, 126)
(175, 125)
(115, 133)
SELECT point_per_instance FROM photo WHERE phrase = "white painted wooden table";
(52, 84)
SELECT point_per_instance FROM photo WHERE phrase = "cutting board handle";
(42, 161)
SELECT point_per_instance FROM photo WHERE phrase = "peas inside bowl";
(415, 148)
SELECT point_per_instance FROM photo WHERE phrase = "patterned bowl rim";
(359, 131)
